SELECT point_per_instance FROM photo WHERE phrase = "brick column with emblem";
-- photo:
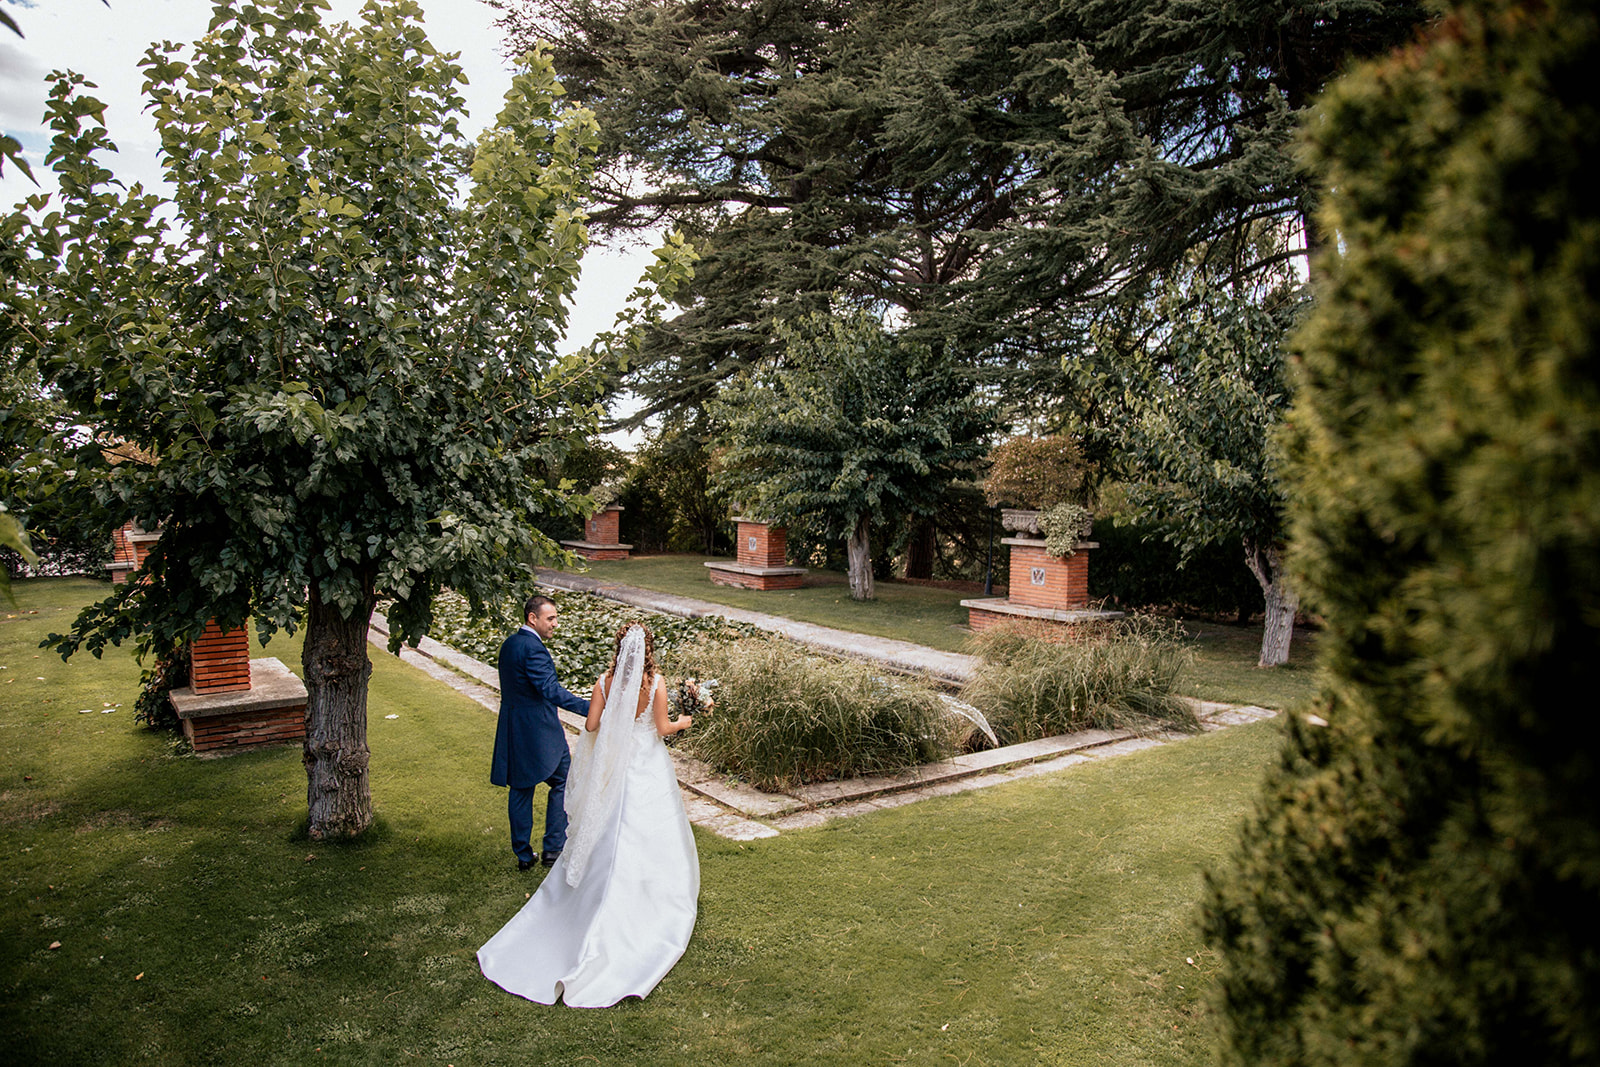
(761, 560)
(1042, 588)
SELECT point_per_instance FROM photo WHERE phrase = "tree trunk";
(1266, 563)
(921, 550)
(859, 548)
(338, 795)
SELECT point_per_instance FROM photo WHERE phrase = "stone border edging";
(731, 809)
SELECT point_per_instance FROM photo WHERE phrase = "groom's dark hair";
(535, 602)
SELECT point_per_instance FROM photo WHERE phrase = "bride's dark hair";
(649, 649)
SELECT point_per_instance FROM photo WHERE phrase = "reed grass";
(1038, 681)
(784, 718)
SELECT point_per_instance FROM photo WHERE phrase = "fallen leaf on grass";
(55, 945)
(138, 976)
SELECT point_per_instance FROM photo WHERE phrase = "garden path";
(737, 811)
(951, 668)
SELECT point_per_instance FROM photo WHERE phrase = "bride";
(615, 912)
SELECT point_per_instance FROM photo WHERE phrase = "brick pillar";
(605, 527)
(1040, 580)
(219, 662)
(129, 546)
(762, 545)
(122, 550)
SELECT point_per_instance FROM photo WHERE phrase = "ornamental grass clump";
(1037, 681)
(783, 718)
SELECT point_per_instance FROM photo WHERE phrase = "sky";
(105, 43)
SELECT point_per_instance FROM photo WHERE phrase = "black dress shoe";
(549, 858)
(523, 865)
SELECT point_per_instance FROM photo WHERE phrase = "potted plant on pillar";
(1044, 480)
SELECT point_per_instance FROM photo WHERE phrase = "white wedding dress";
(615, 913)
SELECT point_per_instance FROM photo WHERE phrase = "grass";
(1224, 668)
(1045, 921)
(926, 616)
(1225, 656)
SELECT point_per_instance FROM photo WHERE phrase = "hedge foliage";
(1420, 882)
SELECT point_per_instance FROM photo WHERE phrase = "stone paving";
(738, 811)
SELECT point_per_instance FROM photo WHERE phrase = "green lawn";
(926, 616)
(1047, 921)
(1225, 656)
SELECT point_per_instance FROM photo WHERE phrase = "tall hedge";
(1421, 880)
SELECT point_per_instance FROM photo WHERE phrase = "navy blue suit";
(530, 744)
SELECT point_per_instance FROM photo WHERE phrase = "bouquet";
(692, 696)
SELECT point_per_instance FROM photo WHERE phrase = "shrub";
(784, 718)
(169, 671)
(1038, 681)
(1064, 525)
(1416, 881)
(1136, 567)
(1036, 472)
(582, 643)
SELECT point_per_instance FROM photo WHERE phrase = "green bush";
(1136, 567)
(1038, 681)
(584, 636)
(784, 718)
(1036, 472)
(1419, 882)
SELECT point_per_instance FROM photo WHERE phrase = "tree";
(1191, 417)
(669, 488)
(807, 147)
(1419, 880)
(341, 365)
(1164, 133)
(852, 426)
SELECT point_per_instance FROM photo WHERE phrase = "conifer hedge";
(1421, 880)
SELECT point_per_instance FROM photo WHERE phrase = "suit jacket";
(529, 740)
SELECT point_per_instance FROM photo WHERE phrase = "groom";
(530, 745)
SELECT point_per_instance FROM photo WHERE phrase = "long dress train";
(626, 923)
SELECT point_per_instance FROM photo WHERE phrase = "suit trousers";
(519, 805)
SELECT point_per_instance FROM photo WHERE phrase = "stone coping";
(1039, 542)
(596, 545)
(1002, 606)
(733, 809)
(746, 568)
(753, 803)
(272, 686)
